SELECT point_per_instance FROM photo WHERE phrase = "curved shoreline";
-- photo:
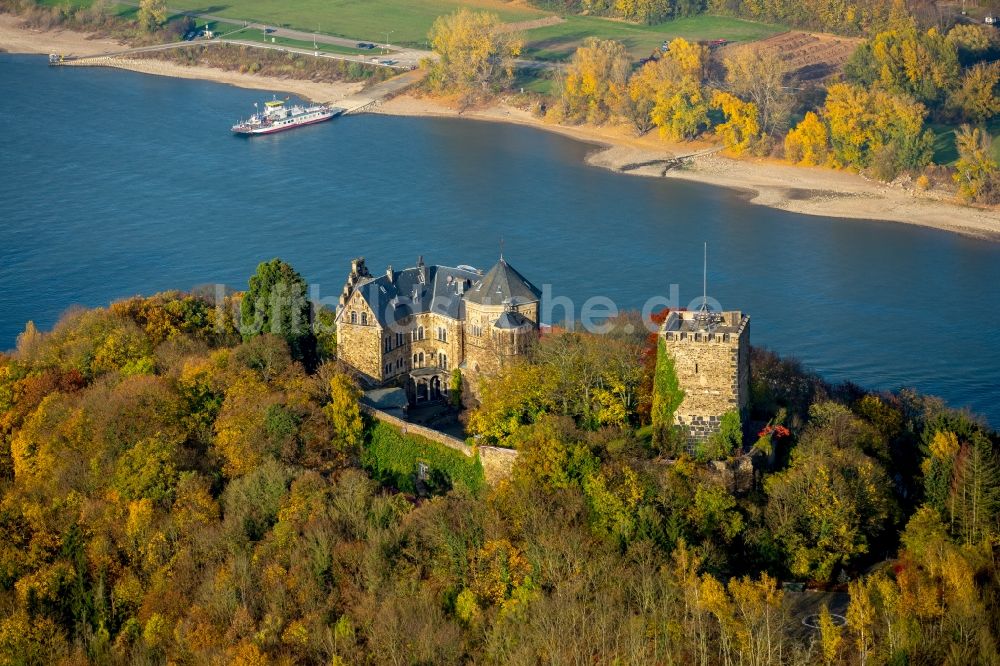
(805, 190)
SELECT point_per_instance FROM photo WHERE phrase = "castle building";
(412, 328)
(711, 355)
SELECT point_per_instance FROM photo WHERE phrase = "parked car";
(268, 31)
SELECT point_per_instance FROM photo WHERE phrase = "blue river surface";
(114, 183)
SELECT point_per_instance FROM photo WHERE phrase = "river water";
(114, 183)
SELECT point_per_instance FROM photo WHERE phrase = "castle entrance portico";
(427, 384)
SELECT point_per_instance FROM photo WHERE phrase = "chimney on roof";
(388, 273)
(421, 270)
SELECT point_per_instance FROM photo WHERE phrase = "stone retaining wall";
(497, 462)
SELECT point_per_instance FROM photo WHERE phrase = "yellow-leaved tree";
(975, 170)
(809, 143)
(876, 130)
(741, 131)
(344, 413)
(976, 97)
(475, 54)
(594, 85)
(152, 14)
(671, 89)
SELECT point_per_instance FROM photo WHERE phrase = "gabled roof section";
(503, 285)
(437, 289)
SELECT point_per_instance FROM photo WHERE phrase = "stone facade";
(414, 327)
(711, 354)
(358, 342)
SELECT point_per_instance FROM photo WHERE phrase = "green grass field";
(367, 20)
(258, 36)
(557, 42)
(410, 20)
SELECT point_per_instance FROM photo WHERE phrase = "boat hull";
(248, 130)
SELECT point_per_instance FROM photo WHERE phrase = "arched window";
(414, 360)
(354, 317)
(364, 318)
(421, 359)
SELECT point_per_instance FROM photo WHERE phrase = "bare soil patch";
(811, 56)
(530, 25)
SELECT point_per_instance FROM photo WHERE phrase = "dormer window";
(354, 317)
(364, 318)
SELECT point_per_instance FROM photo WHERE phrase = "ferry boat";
(276, 117)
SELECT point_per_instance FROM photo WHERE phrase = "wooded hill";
(173, 491)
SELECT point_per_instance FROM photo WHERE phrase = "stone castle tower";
(711, 354)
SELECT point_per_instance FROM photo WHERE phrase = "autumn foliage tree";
(808, 143)
(475, 54)
(670, 87)
(741, 130)
(976, 170)
(593, 87)
(760, 77)
(866, 129)
(152, 14)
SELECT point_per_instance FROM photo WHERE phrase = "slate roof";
(386, 398)
(510, 321)
(442, 290)
(503, 285)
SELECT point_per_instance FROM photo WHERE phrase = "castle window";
(421, 357)
(420, 333)
(696, 368)
(399, 339)
(354, 317)
(388, 343)
(364, 318)
(442, 361)
(442, 334)
(414, 360)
